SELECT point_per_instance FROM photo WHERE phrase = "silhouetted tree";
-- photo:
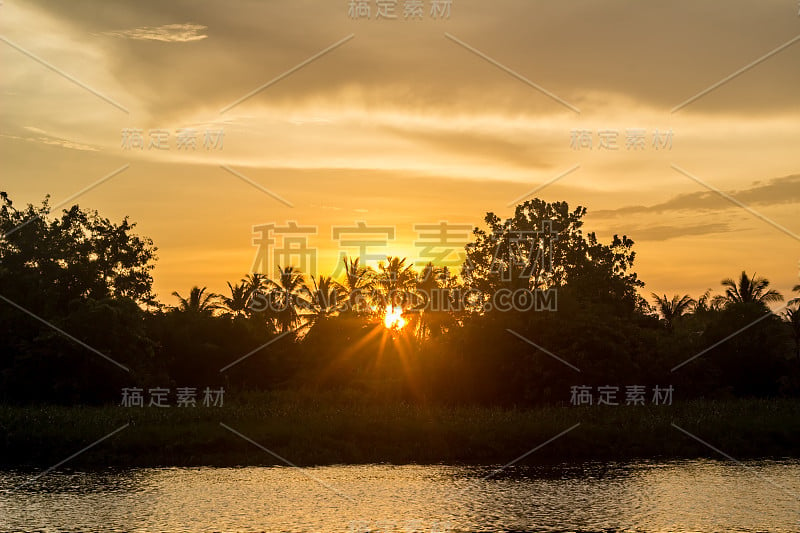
(86, 276)
(707, 303)
(358, 281)
(199, 301)
(395, 283)
(674, 308)
(542, 247)
(288, 297)
(236, 305)
(435, 301)
(796, 289)
(749, 290)
(255, 283)
(793, 316)
(326, 298)
(79, 255)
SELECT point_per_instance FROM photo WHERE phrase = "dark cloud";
(656, 53)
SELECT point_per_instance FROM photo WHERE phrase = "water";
(678, 496)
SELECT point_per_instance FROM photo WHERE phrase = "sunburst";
(393, 318)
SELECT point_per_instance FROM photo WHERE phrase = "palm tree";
(199, 302)
(707, 303)
(673, 309)
(238, 303)
(436, 317)
(395, 282)
(287, 297)
(793, 314)
(326, 298)
(793, 301)
(259, 300)
(357, 279)
(256, 283)
(749, 290)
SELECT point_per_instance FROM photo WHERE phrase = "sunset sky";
(403, 122)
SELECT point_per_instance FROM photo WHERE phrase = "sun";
(393, 318)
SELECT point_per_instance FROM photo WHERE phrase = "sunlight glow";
(393, 319)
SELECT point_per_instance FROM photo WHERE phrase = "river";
(673, 496)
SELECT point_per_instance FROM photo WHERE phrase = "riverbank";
(330, 429)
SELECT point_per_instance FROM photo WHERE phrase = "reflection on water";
(641, 497)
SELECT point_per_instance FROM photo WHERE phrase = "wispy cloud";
(45, 138)
(168, 33)
(785, 190)
(663, 233)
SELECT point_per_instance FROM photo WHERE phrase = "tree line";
(82, 321)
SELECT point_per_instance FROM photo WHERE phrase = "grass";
(351, 429)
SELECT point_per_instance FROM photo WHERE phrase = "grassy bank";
(327, 429)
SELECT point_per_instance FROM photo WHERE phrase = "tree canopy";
(81, 320)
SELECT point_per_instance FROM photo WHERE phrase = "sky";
(674, 123)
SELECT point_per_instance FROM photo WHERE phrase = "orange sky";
(401, 125)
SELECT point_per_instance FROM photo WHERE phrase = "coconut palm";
(256, 283)
(793, 301)
(259, 300)
(707, 303)
(325, 298)
(395, 282)
(674, 308)
(430, 278)
(287, 296)
(199, 301)
(436, 317)
(357, 281)
(237, 304)
(749, 290)
(793, 314)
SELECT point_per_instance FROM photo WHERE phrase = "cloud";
(784, 190)
(45, 138)
(652, 53)
(168, 33)
(327, 207)
(493, 146)
(663, 233)
(64, 143)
